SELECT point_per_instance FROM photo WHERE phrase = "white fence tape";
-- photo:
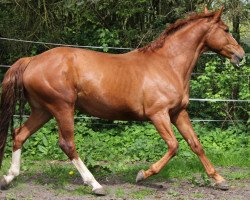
(219, 100)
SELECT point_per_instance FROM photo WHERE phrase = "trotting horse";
(151, 83)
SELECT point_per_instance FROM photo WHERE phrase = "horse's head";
(221, 41)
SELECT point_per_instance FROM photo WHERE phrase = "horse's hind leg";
(65, 119)
(34, 122)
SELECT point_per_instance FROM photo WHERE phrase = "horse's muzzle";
(237, 57)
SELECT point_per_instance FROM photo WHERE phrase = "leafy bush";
(221, 80)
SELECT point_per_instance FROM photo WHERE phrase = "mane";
(172, 28)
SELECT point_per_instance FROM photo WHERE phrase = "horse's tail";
(12, 92)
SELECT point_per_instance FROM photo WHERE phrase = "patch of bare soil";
(28, 189)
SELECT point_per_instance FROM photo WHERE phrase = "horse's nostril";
(240, 58)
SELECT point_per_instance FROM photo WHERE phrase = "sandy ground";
(28, 188)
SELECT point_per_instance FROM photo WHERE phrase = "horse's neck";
(184, 49)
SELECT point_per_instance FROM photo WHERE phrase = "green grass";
(173, 193)
(199, 195)
(240, 158)
(243, 173)
(141, 194)
(78, 191)
(120, 193)
(11, 196)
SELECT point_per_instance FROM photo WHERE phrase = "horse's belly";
(113, 110)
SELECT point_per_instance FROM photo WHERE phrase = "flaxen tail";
(12, 92)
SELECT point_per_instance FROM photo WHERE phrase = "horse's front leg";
(162, 123)
(183, 124)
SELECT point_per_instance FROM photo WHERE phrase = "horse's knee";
(17, 131)
(68, 148)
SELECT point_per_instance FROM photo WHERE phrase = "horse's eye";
(227, 30)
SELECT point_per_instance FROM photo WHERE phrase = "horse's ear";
(206, 10)
(218, 14)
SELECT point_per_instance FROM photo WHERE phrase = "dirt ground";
(28, 188)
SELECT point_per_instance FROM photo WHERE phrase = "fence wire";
(74, 45)
(63, 45)
(119, 122)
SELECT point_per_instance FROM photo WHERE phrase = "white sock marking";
(15, 166)
(87, 177)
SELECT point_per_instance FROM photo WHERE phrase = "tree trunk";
(236, 27)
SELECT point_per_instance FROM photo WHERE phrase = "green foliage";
(107, 38)
(221, 80)
(104, 22)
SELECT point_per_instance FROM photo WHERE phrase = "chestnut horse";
(151, 83)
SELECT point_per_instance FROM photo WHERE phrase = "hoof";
(140, 176)
(3, 184)
(99, 192)
(222, 186)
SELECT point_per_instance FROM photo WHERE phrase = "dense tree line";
(99, 22)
